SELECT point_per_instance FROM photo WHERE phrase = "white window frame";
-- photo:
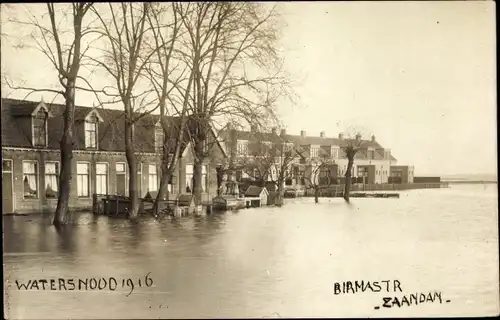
(242, 147)
(138, 175)
(89, 184)
(189, 181)
(204, 173)
(124, 172)
(107, 176)
(58, 172)
(37, 179)
(315, 151)
(149, 177)
(87, 122)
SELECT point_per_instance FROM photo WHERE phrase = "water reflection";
(261, 262)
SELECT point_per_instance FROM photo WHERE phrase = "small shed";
(225, 202)
(186, 200)
(257, 196)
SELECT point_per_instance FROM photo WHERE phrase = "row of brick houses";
(31, 132)
(373, 163)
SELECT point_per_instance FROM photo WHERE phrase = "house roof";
(110, 129)
(254, 191)
(312, 140)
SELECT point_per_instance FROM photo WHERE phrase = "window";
(83, 179)
(189, 178)
(204, 186)
(205, 145)
(170, 185)
(101, 178)
(51, 179)
(324, 176)
(314, 151)
(139, 180)
(242, 147)
(335, 153)
(371, 154)
(190, 175)
(30, 180)
(121, 178)
(159, 138)
(91, 131)
(152, 179)
(40, 128)
(361, 171)
(6, 165)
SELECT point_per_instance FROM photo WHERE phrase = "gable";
(94, 113)
(41, 106)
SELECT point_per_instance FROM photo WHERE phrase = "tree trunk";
(132, 169)
(280, 191)
(316, 195)
(197, 170)
(163, 193)
(220, 176)
(66, 147)
(347, 188)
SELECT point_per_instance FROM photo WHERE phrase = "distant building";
(31, 132)
(372, 162)
(402, 174)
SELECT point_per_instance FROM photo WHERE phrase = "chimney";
(273, 130)
(358, 136)
(341, 136)
(322, 134)
(283, 132)
(302, 133)
(253, 128)
(230, 127)
(373, 138)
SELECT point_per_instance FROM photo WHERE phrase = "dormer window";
(314, 151)
(335, 152)
(242, 147)
(40, 128)
(91, 131)
(371, 154)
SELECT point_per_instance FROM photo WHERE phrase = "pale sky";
(421, 76)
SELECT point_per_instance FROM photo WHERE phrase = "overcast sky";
(421, 76)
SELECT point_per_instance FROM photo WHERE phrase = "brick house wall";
(41, 202)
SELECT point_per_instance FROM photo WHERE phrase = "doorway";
(7, 187)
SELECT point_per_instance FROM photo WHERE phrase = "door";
(121, 181)
(7, 194)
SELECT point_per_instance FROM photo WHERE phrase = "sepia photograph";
(181, 160)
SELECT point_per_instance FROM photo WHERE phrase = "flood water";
(268, 262)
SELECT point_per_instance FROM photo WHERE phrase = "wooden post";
(106, 211)
(117, 205)
(95, 205)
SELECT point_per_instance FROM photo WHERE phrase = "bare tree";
(231, 48)
(286, 155)
(321, 174)
(352, 145)
(161, 75)
(269, 162)
(66, 60)
(125, 58)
